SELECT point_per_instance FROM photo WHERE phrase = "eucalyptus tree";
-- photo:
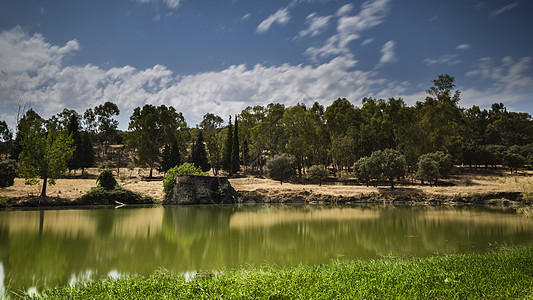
(5, 137)
(211, 127)
(46, 149)
(151, 128)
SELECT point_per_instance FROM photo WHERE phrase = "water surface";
(44, 248)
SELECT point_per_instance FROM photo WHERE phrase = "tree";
(171, 156)
(363, 169)
(428, 169)
(8, 172)
(317, 173)
(70, 120)
(46, 149)
(235, 150)
(199, 155)
(228, 149)
(107, 126)
(513, 161)
(210, 127)
(389, 163)
(281, 167)
(5, 137)
(150, 128)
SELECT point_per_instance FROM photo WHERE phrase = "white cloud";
(246, 17)
(281, 17)
(173, 4)
(31, 69)
(506, 8)
(317, 25)
(450, 59)
(367, 41)
(463, 47)
(387, 53)
(344, 10)
(349, 28)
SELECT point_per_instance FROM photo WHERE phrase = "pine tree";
(86, 151)
(235, 163)
(226, 154)
(199, 155)
(171, 156)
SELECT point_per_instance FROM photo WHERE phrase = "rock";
(192, 189)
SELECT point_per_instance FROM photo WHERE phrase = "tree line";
(420, 139)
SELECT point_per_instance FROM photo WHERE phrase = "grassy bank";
(506, 274)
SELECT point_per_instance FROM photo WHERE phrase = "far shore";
(482, 187)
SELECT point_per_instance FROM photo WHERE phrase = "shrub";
(8, 172)
(281, 167)
(184, 169)
(106, 180)
(428, 169)
(101, 195)
(317, 173)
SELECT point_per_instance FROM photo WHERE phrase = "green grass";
(506, 274)
(100, 195)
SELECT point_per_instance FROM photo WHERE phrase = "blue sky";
(221, 56)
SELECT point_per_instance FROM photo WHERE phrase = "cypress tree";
(86, 151)
(199, 155)
(171, 156)
(227, 151)
(235, 163)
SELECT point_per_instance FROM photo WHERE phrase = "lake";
(44, 248)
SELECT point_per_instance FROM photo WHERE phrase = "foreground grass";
(506, 274)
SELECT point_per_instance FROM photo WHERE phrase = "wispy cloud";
(463, 47)
(506, 8)
(450, 59)
(173, 4)
(316, 25)
(350, 27)
(246, 17)
(281, 17)
(387, 54)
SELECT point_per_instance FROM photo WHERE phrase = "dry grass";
(467, 184)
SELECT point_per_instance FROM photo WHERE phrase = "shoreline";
(464, 189)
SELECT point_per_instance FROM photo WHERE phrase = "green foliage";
(150, 128)
(235, 150)
(8, 172)
(45, 150)
(281, 167)
(513, 161)
(199, 155)
(428, 169)
(228, 149)
(433, 166)
(106, 180)
(184, 169)
(101, 195)
(505, 274)
(317, 173)
(386, 164)
(171, 156)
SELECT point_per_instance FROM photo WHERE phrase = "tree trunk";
(43, 191)
(151, 169)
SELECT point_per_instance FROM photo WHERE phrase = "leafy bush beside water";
(184, 169)
(503, 275)
(109, 192)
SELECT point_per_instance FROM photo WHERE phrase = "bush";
(101, 195)
(8, 172)
(184, 169)
(317, 173)
(281, 167)
(428, 169)
(106, 180)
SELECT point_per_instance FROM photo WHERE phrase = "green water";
(44, 248)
